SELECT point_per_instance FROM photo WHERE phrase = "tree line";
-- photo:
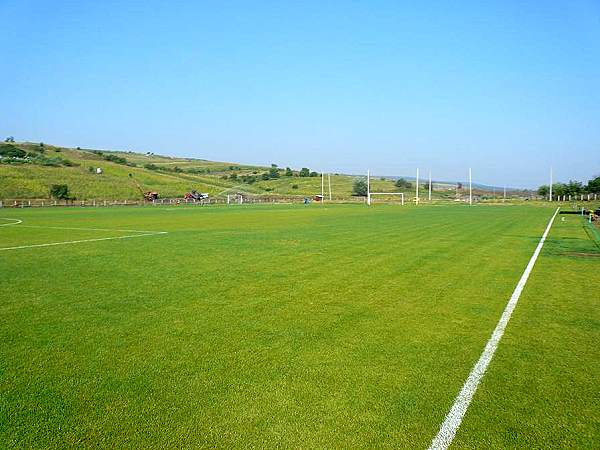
(573, 187)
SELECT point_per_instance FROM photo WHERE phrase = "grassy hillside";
(27, 170)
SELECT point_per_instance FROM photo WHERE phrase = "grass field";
(295, 327)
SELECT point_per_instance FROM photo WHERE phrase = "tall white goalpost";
(369, 193)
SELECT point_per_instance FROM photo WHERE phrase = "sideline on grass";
(454, 417)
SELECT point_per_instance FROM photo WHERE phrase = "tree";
(304, 172)
(459, 186)
(359, 187)
(402, 183)
(59, 191)
(273, 172)
(314, 174)
(9, 139)
(288, 172)
(274, 166)
(573, 187)
(543, 190)
(593, 186)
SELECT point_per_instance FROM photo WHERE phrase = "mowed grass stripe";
(264, 327)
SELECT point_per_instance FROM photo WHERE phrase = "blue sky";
(509, 88)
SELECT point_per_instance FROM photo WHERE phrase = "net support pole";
(329, 181)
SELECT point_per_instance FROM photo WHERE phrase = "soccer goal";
(370, 194)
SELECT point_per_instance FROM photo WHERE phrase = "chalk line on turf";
(453, 419)
(78, 241)
(17, 221)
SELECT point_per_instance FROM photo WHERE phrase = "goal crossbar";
(369, 193)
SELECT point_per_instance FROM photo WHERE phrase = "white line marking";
(17, 221)
(51, 244)
(88, 229)
(82, 240)
(454, 417)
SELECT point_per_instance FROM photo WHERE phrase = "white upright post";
(417, 189)
(550, 196)
(322, 187)
(430, 185)
(470, 188)
(369, 187)
(228, 199)
(504, 198)
(329, 180)
(402, 197)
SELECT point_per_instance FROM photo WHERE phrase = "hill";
(28, 170)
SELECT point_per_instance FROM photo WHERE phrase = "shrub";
(68, 163)
(59, 191)
(304, 172)
(402, 183)
(314, 174)
(12, 151)
(288, 172)
(359, 187)
(115, 159)
(294, 186)
(151, 166)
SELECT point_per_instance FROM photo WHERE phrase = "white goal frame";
(369, 193)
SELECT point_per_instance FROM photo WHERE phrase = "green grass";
(292, 326)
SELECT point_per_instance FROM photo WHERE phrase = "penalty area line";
(453, 419)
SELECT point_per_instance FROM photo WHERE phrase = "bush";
(12, 151)
(233, 176)
(294, 186)
(265, 176)
(402, 183)
(304, 172)
(314, 174)
(115, 159)
(288, 172)
(273, 172)
(68, 163)
(59, 191)
(151, 166)
(359, 187)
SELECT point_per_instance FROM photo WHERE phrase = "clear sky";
(507, 87)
